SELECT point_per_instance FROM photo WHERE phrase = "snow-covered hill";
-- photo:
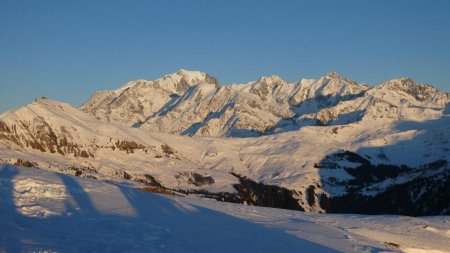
(51, 212)
(314, 168)
(193, 103)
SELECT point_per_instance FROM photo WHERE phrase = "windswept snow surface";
(43, 211)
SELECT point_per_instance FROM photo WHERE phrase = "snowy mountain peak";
(335, 78)
(181, 80)
(272, 79)
(190, 77)
(266, 85)
(333, 74)
(186, 72)
(421, 92)
(136, 100)
(329, 86)
(177, 82)
(403, 83)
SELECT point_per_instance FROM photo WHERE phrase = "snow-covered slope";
(48, 212)
(51, 212)
(269, 105)
(309, 169)
(63, 138)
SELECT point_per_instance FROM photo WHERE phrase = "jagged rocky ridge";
(383, 155)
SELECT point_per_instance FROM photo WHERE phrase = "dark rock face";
(39, 135)
(167, 150)
(4, 127)
(183, 85)
(25, 163)
(9, 133)
(128, 146)
(213, 80)
(419, 92)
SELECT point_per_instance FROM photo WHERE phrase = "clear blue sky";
(68, 49)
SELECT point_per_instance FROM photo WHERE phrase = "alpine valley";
(317, 145)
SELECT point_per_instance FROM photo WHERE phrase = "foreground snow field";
(45, 211)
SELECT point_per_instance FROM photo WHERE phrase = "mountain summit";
(136, 100)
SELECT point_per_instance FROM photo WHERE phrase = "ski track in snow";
(49, 212)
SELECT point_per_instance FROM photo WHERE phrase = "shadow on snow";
(161, 224)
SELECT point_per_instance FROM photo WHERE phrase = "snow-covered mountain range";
(329, 144)
(194, 103)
